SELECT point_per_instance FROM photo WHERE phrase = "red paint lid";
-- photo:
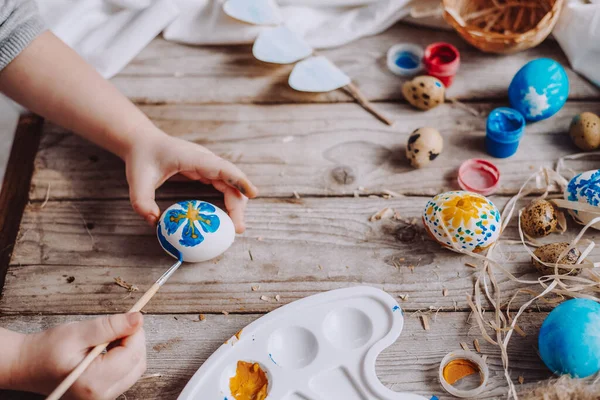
(479, 176)
(442, 60)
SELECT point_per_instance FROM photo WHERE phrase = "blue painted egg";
(569, 340)
(539, 89)
(585, 188)
(195, 231)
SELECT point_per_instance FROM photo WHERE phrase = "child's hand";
(48, 357)
(160, 156)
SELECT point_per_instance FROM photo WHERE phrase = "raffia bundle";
(503, 26)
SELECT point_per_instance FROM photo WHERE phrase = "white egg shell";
(585, 188)
(473, 221)
(195, 231)
(280, 46)
(317, 75)
(257, 12)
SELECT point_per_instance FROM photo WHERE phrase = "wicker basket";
(503, 26)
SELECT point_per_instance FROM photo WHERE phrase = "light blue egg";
(539, 89)
(569, 340)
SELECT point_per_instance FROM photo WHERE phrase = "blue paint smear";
(407, 60)
(169, 248)
(271, 357)
(432, 398)
(395, 308)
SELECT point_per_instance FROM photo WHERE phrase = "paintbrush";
(96, 351)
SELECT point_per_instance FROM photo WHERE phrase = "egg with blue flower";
(585, 188)
(462, 220)
(195, 231)
(539, 89)
(569, 339)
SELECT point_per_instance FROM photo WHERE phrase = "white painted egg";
(195, 231)
(473, 222)
(585, 188)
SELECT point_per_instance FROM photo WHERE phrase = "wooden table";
(78, 230)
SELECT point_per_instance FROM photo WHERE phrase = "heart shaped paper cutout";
(318, 75)
(257, 12)
(280, 46)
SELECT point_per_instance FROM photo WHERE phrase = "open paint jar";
(405, 59)
(441, 60)
(479, 176)
(504, 129)
(463, 374)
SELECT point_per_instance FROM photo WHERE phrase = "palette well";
(321, 347)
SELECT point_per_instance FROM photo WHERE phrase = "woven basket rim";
(479, 32)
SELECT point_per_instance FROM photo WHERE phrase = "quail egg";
(585, 131)
(424, 145)
(549, 253)
(424, 92)
(539, 218)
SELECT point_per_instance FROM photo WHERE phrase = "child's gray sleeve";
(20, 23)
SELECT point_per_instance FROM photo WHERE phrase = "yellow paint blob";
(455, 370)
(249, 383)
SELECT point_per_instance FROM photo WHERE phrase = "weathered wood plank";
(174, 73)
(298, 247)
(179, 344)
(311, 149)
(15, 186)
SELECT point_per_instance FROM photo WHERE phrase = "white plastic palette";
(322, 347)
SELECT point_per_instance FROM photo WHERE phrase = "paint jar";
(504, 129)
(441, 60)
(471, 359)
(478, 176)
(405, 59)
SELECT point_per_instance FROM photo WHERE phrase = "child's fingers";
(235, 203)
(142, 187)
(109, 328)
(123, 365)
(215, 168)
(132, 353)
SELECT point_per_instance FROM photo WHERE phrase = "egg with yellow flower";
(462, 220)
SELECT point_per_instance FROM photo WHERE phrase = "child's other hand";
(160, 156)
(48, 357)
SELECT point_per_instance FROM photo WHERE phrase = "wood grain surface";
(313, 149)
(166, 72)
(292, 248)
(178, 344)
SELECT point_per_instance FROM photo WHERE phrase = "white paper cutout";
(280, 46)
(257, 12)
(318, 75)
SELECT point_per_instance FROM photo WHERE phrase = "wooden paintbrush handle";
(365, 103)
(96, 351)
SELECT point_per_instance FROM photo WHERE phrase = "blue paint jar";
(405, 59)
(504, 129)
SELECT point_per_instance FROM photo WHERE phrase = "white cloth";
(578, 33)
(108, 33)
(323, 23)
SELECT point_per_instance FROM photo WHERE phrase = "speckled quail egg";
(585, 131)
(549, 253)
(424, 92)
(539, 218)
(424, 145)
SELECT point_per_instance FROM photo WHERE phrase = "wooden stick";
(96, 351)
(366, 104)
